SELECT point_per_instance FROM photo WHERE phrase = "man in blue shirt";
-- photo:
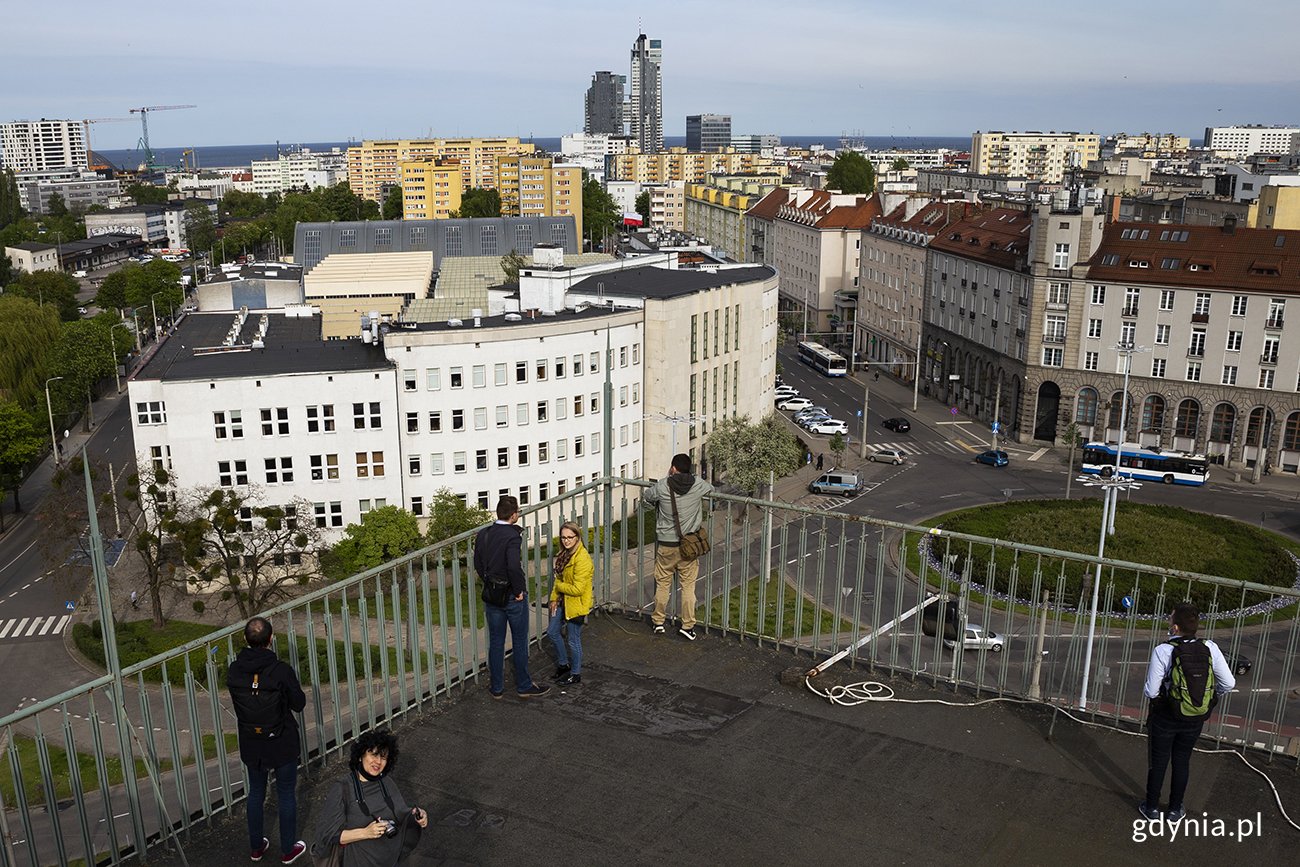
(1170, 736)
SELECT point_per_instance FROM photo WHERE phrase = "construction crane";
(144, 129)
(86, 124)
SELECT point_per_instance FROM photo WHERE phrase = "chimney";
(1230, 224)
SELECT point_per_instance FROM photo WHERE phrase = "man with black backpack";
(266, 694)
(1184, 681)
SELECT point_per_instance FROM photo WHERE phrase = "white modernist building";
(1245, 141)
(512, 403)
(42, 145)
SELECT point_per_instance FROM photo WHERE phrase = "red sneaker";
(293, 854)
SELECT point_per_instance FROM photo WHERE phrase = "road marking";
(1036, 455)
(25, 586)
(17, 556)
(949, 496)
(21, 624)
(9, 624)
(32, 630)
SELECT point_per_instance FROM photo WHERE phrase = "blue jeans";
(515, 615)
(573, 657)
(286, 785)
(1169, 739)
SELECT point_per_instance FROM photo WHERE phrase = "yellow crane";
(144, 129)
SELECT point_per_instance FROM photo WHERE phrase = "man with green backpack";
(1184, 681)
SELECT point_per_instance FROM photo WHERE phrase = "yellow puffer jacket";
(574, 584)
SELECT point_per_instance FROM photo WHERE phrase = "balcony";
(1053, 338)
(1129, 310)
(1268, 358)
(1200, 318)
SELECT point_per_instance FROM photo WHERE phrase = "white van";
(80, 275)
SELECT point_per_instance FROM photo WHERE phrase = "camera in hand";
(390, 827)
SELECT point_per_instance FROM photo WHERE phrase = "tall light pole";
(117, 378)
(49, 408)
(154, 306)
(916, 370)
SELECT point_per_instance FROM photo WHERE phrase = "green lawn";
(1163, 536)
(781, 611)
(31, 771)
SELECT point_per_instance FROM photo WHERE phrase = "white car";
(794, 403)
(785, 391)
(829, 426)
(977, 636)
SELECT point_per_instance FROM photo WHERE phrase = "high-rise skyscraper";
(604, 107)
(647, 102)
(708, 132)
(42, 145)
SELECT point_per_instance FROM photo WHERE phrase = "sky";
(329, 71)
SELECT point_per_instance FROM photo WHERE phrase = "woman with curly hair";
(570, 602)
(364, 811)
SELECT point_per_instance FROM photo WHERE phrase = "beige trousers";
(667, 559)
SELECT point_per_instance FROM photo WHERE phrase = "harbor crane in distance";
(90, 164)
(144, 129)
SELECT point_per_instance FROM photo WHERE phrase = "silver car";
(888, 456)
(977, 636)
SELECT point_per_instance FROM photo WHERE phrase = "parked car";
(836, 482)
(809, 423)
(977, 636)
(993, 458)
(888, 456)
(785, 391)
(811, 411)
(80, 275)
(829, 426)
(901, 425)
(794, 403)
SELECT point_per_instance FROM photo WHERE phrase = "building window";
(413, 464)
(594, 365)
(370, 465)
(320, 418)
(1193, 371)
(560, 367)
(433, 379)
(1238, 305)
(1054, 329)
(229, 424)
(542, 369)
(408, 380)
(480, 460)
(521, 371)
(275, 421)
(323, 467)
(479, 376)
(543, 452)
(1234, 341)
(1098, 294)
(1188, 418)
(458, 462)
(542, 407)
(595, 403)
(362, 411)
(412, 422)
(1202, 304)
(151, 412)
(1162, 335)
(480, 418)
(279, 471)
(1132, 295)
(1196, 346)
(328, 514)
(417, 506)
(1266, 378)
(579, 443)
(522, 457)
(436, 465)
(1061, 257)
(503, 457)
(232, 473)
(458, 419)
(1058, 294)
(1229, 374)
(1090, 361)
(577, 405)
(1166, 299)
(561, 449)
(561, 409)
(1272, 346)
(577, 366)
(1052, 356)
(457, 378)
(1158, 368)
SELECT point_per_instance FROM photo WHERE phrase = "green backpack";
(1190, 686)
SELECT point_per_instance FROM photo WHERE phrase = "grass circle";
(1164, 536)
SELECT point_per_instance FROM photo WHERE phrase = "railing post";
(607, 512)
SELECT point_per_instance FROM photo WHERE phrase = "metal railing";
(403, 637)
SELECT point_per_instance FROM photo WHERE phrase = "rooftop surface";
(668, 282)
(678, 753)
(292, 345)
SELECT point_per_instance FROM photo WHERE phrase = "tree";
(21, 442)
(200, 227)
(851, 173)
(83, 357)
(899, 165)
(745, 453)
(643, 206)
(238, 205)
(838, 447)
(510, 264)
(384, 534)
(478, 202)
(306, 208)
(261, 552)
(7, 272)
(147, 194)
(28, 337)
(11, 209)
(112, 292)
(55, 288)
(450, 516)
(393, 203)
(158, 277)
(165, 537)
(600, 213)
(56, 207)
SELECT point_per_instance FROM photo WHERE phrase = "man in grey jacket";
(689, 493)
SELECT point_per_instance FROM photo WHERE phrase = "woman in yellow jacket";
(570, 602)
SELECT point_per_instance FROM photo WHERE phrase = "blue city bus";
(1148, 464)
(822, 359)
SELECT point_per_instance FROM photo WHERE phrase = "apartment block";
(42, 145)
(78, 194)
(540, 187)
(715, 211)
(1151, 144)
(431, 188)
(708, 132)
(603, 106)
(1037, 156)
(296, 171)
(668, 207)
(679, 164)
(1246, 141)
(375, 166)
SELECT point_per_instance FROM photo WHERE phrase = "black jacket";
(497, 554)
(280, 751)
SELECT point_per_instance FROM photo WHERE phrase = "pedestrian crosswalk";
(34, 627)
(918, 448)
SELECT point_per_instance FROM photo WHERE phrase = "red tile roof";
(1175, 255)
(999, 237)
(766, 207)
(930, 219)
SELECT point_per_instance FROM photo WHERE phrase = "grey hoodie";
(690, 493)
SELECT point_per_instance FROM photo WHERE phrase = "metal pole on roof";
(607, 419)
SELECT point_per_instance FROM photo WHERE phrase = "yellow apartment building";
(678, 164)
(1038, 156)
(539, 187)
(1277, 208)
(716, 211)
(374, 166)
(431, 189)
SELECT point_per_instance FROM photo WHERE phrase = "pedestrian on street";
(498, 562)
(1170, 733)
(821, 459)
(266, 694)
(571, 600)
(875, 376)
(135, 600)
(679, 501)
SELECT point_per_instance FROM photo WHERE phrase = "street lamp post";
(117, 378)
(916, 370)
(154, 306)
(49, 408)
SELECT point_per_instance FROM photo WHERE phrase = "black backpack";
(259, 704)
(1189, 687)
